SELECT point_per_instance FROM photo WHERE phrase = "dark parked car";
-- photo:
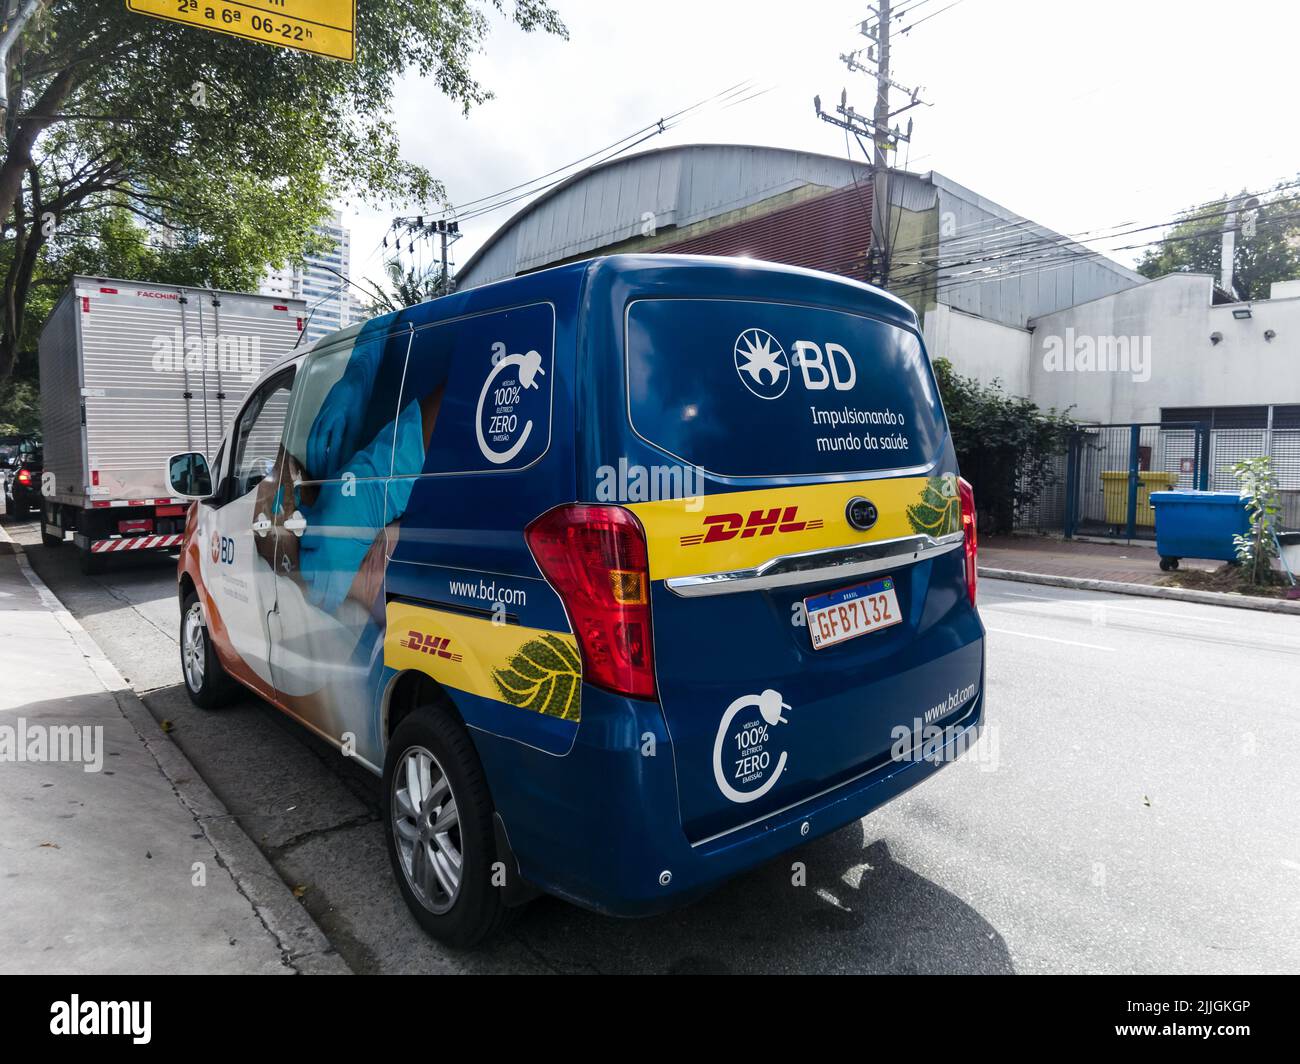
(23, 484)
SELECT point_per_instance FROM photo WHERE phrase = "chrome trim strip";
(832, 563)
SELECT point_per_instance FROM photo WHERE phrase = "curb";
(302, 944)
(1178, 594)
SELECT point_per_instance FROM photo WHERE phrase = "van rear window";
(750, 389)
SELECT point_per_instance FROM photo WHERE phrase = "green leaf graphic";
(939, 510)
(544, 676)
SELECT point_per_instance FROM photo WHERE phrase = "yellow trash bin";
(1114, 490)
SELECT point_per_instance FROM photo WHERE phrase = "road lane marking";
(1050, 639)
(1166, 615)
(1198, 627)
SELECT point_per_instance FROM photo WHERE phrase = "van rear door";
(810, 603)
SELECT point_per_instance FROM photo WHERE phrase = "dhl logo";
(429, 644)
(721, 527)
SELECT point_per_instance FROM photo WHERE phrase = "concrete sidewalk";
(114, 856)
(1123, 563)
(1120, 568)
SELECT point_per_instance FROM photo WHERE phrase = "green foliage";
(406, 287)
(229, 150)
(545, 676)
(20, 408)
(1258, 547)
(1195, 242)
(1006, 445)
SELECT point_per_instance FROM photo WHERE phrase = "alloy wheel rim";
(426, 829)
(192, 650)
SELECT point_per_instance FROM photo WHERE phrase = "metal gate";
(1111, 471)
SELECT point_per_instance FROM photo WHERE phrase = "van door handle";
(296, 523)
(262, 525)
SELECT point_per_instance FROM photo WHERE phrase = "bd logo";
(722, 527)
(764, 368)
(223, 549)
(761, 364)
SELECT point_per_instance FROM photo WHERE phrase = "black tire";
(1169, 564)
(477, 909)
(215, 688)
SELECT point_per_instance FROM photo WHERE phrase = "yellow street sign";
(324, 27)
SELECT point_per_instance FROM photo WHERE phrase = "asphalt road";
(1130, 809)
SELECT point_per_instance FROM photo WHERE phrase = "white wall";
(1172, 320)
(979, 348)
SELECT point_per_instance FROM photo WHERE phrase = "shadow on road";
(316, 816)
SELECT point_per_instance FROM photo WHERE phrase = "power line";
(505, 197)
(909, 28)
(1013, 254)
(1045, 263)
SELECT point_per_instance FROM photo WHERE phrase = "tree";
(406, 287)
(1006, 446)
(1266, 249)
(229, 150)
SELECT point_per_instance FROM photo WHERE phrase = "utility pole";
(1228, 247)
(448, 233)
(877, 66)
(881, 116)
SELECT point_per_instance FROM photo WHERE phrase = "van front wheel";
(206, 681)
(438, 812)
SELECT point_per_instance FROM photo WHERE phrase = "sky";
(1079, 116)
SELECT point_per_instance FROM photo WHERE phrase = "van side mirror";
(188, 475)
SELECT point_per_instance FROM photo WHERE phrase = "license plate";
(851, 612)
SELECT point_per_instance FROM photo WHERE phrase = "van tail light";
(595, 558)
(967, 495)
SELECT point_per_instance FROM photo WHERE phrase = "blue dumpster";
(1197, 524)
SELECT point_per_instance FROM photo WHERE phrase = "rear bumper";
(600, 826)
(25, 498)
(170, 542)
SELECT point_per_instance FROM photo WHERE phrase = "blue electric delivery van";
(625, 576)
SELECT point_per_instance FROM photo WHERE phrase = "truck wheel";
(206, 680)
(1168, 564)
(438, 816)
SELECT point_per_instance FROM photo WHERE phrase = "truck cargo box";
(132, 373)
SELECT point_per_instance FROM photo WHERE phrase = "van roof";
(728, 276)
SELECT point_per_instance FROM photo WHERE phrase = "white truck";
(131, 374)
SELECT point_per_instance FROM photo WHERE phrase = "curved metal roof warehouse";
(802, 208)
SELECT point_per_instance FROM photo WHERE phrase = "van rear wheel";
(438, 813)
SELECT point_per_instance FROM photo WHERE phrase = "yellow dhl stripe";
(744, 529)
(529, 668)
